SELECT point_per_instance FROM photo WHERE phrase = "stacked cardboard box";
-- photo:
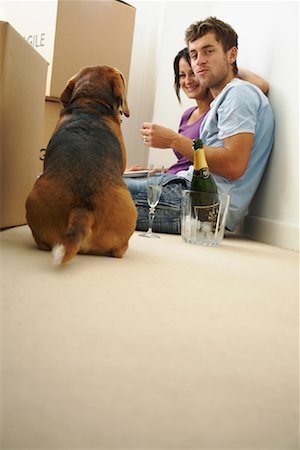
(90, 33)
(72, 34)
(87, 33)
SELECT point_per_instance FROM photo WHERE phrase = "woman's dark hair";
(184, 53)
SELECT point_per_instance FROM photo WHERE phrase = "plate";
(135, 173)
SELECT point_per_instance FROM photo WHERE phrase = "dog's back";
(85, 152)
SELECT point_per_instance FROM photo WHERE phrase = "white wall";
(143, 77)
(268, 45)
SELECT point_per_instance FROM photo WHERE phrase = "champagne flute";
(154, 188)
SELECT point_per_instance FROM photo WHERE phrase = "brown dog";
(80, 203)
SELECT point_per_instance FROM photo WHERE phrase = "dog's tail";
(80, 224)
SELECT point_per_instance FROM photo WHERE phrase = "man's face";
(211, 65)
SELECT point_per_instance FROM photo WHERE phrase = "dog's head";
(103, 83)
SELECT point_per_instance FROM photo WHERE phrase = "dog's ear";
(67, 93)
(119, 93)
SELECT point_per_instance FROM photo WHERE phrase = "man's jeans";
(168, 211)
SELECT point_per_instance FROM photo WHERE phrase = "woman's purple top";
(190, 131)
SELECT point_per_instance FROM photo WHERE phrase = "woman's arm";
(156, 136)
(247, 75)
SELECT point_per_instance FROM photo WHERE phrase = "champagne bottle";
(202, 180)
(204, 195)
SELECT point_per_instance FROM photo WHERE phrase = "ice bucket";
(203, 224)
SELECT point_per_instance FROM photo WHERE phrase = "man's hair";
(223, 32)
(184, 53)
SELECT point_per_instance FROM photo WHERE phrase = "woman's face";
(188, 81)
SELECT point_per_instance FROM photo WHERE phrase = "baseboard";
(272, 232)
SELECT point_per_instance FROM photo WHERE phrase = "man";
(238, 131)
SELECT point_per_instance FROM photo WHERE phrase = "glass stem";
(151, 218)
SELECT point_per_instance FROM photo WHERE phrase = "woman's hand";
(156, 136)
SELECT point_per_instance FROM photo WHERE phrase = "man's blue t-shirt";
(240, 108)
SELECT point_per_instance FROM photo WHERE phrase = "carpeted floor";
(174, 346)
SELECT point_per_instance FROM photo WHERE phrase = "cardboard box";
(23, 74)
(73, 34)
(51, 116)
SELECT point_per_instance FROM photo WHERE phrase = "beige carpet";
(174, 346)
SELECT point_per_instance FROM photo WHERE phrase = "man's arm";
(231, 160)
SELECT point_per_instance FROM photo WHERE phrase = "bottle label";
(207, 213)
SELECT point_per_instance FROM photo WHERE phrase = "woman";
(167, 217)
(157, 136)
